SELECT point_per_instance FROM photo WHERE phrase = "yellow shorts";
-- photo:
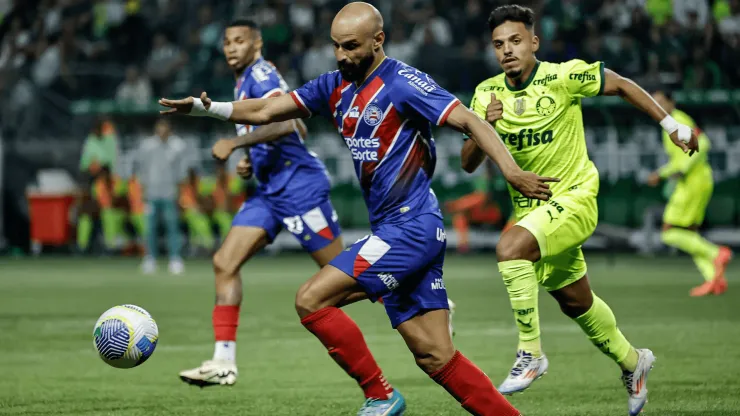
(688, 202)
(561, 226)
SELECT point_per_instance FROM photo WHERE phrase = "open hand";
(495, 110)
(183, 106)
(244, 168)
(222, 149)
(531, 185)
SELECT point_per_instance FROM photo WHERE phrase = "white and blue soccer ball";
(125, 336)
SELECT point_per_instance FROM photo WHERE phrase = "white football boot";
(636, 382)
(148, 265)
(527, 368)
(211, 373)
(452, 313)
(176, 266)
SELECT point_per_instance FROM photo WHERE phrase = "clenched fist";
(222, 149)
(244, 168)
(495, 110)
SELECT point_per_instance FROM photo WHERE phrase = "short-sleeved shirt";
(542, 124)
(386, 124)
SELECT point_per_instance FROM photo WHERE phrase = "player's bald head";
(357, 34)
(358, 18)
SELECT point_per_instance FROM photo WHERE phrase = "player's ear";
(535, 43)
(378, 40)
(258, 42)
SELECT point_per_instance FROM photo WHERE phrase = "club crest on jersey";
(520, 106)
(373, 115)
(545, 106)
(354, 112)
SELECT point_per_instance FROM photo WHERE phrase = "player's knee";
(224, 266)
(575, 306)
(517, 244)
(433, 358)
(305, 302)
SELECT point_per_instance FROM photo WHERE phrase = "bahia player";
(536, 108)
(375, 97)
(293, 193)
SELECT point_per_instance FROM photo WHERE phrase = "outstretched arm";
(681, 135)
(471, 156)
(269, 133)
(485, 137)
(254, 112)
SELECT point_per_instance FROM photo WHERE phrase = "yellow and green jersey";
(542, 124)
(680, 162)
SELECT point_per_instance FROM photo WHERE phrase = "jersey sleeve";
(583, 79)
(313, 97)
(421, 96)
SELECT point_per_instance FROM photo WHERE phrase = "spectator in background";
(15, 46)
(703, 73)
(729, 26)
(160, 165)
(164, 60)
(400, 46)
(691, 14)
(97, 164)
(135, 89)
(435, 25)
(302, 16)
(319, 58)
(209, 31)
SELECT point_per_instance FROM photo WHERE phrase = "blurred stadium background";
(67, 66)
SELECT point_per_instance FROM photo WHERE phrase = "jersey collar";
(526, 83)
(246, 72)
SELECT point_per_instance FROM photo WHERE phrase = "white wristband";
(670, 125)
(219, 110)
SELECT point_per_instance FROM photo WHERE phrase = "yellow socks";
(600, 325)
(521, 283)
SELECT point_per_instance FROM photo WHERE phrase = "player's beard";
(514, 73)
(355, 72)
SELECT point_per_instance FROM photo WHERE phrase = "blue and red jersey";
(275, 164)
(386, 123)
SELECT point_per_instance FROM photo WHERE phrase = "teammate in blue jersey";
(384, 109)
(293, 193)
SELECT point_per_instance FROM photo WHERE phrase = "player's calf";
(315, 304)
(575, 299)
(428, 338)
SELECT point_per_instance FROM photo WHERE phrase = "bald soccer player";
(384, 110)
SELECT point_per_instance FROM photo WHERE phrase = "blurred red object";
(49, 218)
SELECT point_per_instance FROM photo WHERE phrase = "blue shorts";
(401, 263)
(314, 228)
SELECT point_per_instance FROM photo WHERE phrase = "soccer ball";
(125, 336)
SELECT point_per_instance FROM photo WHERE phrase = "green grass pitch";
(49, 367)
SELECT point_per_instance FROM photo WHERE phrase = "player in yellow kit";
(536, 109)
(684, 213)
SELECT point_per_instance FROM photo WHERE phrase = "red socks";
(472, 388)
(346, 345)
(225, 321)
